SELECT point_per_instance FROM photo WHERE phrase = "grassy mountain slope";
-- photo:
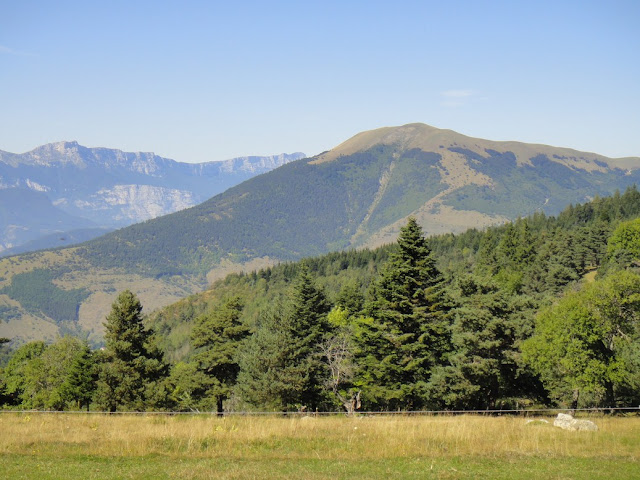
(356, 195)
(297, 210)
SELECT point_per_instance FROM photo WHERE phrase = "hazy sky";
(198, 81)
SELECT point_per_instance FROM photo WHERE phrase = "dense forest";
(540, 311)
(37, 293)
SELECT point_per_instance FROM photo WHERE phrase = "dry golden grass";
(70, 447)
(323, 437)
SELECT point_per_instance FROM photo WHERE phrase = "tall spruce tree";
(217, 336)
(132, 367)
(410, 334)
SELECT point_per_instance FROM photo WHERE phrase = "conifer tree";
(217, 336)
(281, 364)
(508, 246)
(350, 298)
(271, 375)
(132, 367)
(309, 309)
(80, 383)
(410, 333)
(483, 367)
(486, 259)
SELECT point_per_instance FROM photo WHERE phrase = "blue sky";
(200, 81)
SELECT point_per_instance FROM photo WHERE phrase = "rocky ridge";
(103, 188)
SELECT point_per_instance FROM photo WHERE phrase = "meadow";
(79, 446)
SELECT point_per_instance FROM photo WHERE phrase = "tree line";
(542, 311)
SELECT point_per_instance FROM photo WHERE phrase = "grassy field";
(75, 446)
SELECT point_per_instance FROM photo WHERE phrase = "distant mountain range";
(357, 194)
(62, 193)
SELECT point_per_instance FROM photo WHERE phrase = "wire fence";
(496, 412)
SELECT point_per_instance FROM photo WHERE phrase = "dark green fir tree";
(132, 368)
(217, 336)
(80, 384)
(410, 331)
(282, 364)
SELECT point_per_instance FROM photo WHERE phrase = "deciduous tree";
(581, 345)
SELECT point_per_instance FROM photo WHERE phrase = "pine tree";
(483, 368)
(309, 309)
(271, 375)
(80, 383)
(217, 336)
(132, 367)
(281, 364)
(410, 330)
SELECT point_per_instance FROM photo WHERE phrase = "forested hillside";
(535, 256)
(489, 290)
(541, 311)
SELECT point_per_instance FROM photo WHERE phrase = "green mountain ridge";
(356, 195)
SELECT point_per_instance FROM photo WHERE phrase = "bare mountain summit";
(489, 169)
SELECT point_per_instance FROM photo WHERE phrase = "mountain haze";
(61, 187)
(355, 195)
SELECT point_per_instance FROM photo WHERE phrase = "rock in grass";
(567, 422)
